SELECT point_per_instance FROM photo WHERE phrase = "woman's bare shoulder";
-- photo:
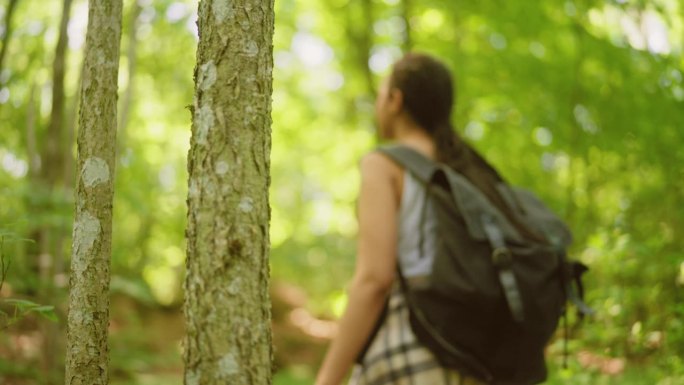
(379, 170)
(377, 164)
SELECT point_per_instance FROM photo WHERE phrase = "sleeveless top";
(415, 229)
(395, 356)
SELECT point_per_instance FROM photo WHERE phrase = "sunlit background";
(581, 101)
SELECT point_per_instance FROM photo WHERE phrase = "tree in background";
(87, 351)
(49, 257)
(7, 30)
(227, 306)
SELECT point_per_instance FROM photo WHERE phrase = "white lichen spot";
(246, 204)
(248, 116)
(86, 231)
(193, 188)
(207, 75)
(192, 378)
(208, 185)
(99, 57)
(79, 317)
(234, 287)
(228, 365)
(222, 10)
(95, 171)
(205, 120)
(250, 48)
(221, 167)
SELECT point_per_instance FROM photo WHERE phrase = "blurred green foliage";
(579, 100)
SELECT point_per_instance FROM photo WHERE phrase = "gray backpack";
(492, 299)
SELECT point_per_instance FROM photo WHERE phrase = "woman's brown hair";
(428, 97)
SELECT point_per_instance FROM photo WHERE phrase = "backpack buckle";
(502, 257)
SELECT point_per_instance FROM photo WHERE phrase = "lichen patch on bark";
(250, 48)
(205, 120)
(234, 287)
(223, 9)
(86, 231)
(95, 172)
(228, 365)
(207, 75)
(192, 378)
(246, 204)
(221, 167)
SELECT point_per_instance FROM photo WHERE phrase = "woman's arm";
(375, 266)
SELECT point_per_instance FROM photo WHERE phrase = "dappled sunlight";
(642, 29)
(580, 102)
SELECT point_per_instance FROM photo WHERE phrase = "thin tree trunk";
(132, 58)
(87, 349)
(52, 153)
(69, 163)
(35, 233)
(575, 131)
(366, 45)
(32, 152)
(361, 36)
(9, 11)
(52, 237)
(406, 43)
(71, 129)
(47, 171)
(227, 306)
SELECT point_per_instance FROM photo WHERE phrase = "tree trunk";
(9, 10)
(131, 59)
(227, 306)
(52, 158)
(406, 42)
(32, 153)
(360, 35)
(51, 238)
(71, 129)
(87, 350)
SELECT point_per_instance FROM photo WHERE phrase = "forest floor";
(145, 348)
(146, 343)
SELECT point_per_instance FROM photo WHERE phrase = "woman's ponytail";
(449, 146)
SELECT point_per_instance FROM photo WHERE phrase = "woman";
(413, 109)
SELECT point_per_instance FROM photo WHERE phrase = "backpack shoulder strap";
(418, 164)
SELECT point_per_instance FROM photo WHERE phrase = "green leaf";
(47, 312)
(22, 304)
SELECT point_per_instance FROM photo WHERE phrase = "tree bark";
(11, 6)
(227, 306)
(87, 350)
